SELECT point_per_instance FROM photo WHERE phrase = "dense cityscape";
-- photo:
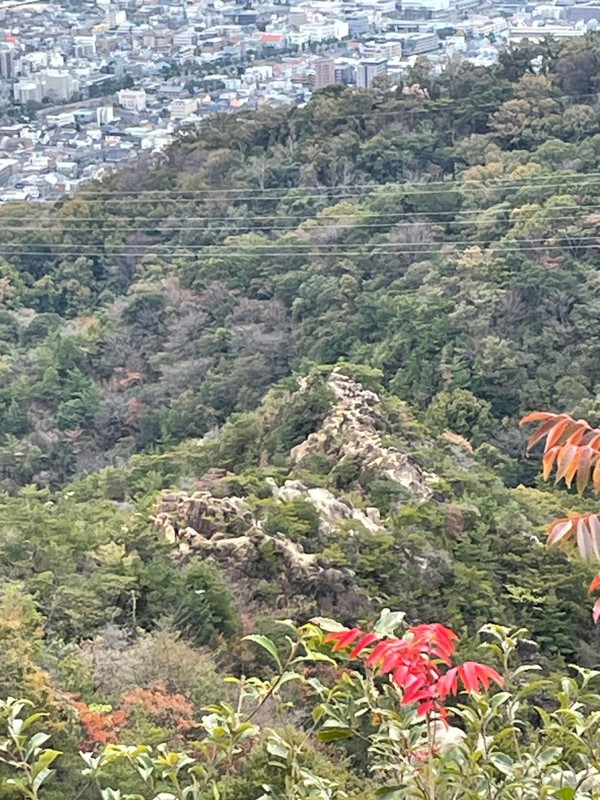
(86, 86)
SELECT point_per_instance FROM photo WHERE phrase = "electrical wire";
(199, 195)
(372, 251)
(253, 217)
(347, 227)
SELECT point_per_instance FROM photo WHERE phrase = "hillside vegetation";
(276, 372)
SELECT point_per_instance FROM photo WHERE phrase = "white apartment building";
(322, 30)
(183, 107)
(28, 91)
(132, 99)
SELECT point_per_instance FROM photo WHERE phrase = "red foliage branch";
(420, 663)
(572, 447)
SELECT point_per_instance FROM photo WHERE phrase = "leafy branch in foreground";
(572, 449)
(499, 752)
(415, 663)
(25, 754)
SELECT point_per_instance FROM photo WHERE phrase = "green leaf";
(30, 720)
(388, 622)
(41, 777)
(37, 740)
(566, 793)
(46, 758)
(289, 676)
(266, 644)
(390, 793)
(503, 763)
(499, 699)
(313, 655)
(19, 784)
(549, 755)
(331, 734)
(278, 749)
(328, 625)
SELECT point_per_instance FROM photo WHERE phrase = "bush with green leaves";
(321, 728)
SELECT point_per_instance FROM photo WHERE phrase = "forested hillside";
(277, 373)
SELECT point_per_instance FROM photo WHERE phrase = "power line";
(344, 191)
(341, 214)
(166, 227)
(275, 245)
(372, 251)
(345, 226)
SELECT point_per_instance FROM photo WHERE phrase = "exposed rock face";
(265, 567)
(255, 562)
(351, 429)
(332, 510)
(206, 515)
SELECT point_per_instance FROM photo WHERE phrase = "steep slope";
(447, 238)
(350, 520)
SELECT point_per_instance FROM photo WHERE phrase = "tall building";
(368, 70)
(324, 73)
(104, 115)
(7, 61)
(60, 84)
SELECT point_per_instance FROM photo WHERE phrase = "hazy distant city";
(86, 86)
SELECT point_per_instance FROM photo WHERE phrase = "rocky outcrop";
(269, 568)
(204, 515)
(333, 511)
(351, 430)
(260, 566)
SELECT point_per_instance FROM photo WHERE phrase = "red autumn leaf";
(594, 529)
(448, 683)
(379, 653)
(596, 477)
(583, 468)
(417, 690)
(556, 435)
(573, 447)
(538, 416)
(583, 539)
(343, 638)
(415, 663)
(548, 461)
(472, 673)
(577, 436)
(436, 638)
(428, 707)
(365, 641)
(542, 431)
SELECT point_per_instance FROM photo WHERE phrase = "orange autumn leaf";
(595, 584)
(572, 447)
